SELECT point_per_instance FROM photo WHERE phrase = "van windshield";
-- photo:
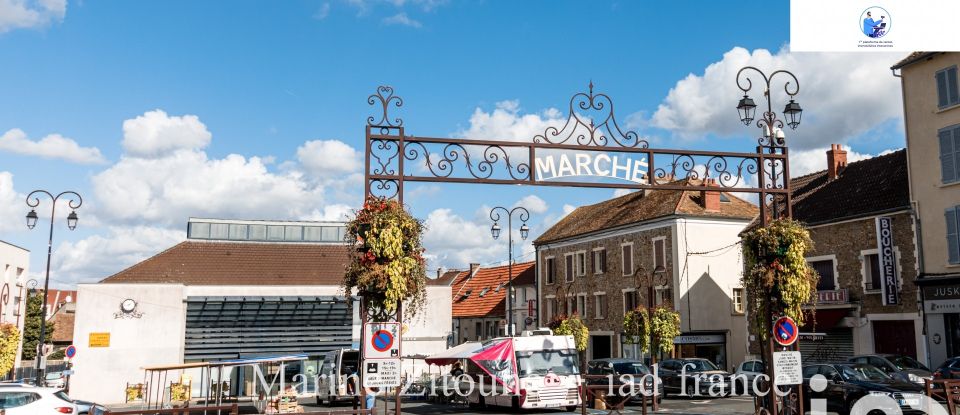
(558, 362)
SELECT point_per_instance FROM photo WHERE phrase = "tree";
(31, 325)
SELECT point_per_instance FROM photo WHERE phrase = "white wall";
(156, 338)
(711, 279)
(427, 332)
(14, 266)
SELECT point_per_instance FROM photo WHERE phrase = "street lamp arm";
(524, 213)
(495, 213)
(75, 201)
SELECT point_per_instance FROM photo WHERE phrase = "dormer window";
(484, 291)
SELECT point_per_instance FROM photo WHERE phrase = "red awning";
(449, 356)
(824, 319)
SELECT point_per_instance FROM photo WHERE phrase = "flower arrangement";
(636, 328)
(388, 267)
(572, 326)
(665, 325)
(777, 278)
(9, 341)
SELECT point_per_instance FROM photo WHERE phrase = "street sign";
(787, 369)
(99, 340)
(68, 372)
(70, 352)
(381, 373)
(381, 341)
(785, 331)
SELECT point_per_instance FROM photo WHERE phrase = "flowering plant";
(665, 324)
(572, 326)
(9, 342)
(387, 268)
(636, 328)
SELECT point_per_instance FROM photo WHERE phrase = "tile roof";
(63, 321)
(864, 187)
(241, 263)
(913, 57)
(493, 301)
(446, 278)
(637, 207)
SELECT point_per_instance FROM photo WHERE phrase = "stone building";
(596, 261)
(841, 206)
(931, 113)
(479, 302)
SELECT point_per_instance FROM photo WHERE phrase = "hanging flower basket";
(572, 326)
(636, 328)
(665, 325)
(777, 280)
(387, 268)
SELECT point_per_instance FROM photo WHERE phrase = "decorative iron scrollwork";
(597, 133)
(385, 97)
(727, 170)
(443, 163)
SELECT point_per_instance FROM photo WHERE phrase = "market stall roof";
(176, 366)
(261, 359)
(454, 354)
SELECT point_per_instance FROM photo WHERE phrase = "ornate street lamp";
(746, 108)
(523, 215)
(33, 201)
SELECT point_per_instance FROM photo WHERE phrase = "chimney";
(836, 161)
(711, 199)
(473, 269)
(439, 272)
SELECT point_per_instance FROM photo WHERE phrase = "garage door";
(239, 327)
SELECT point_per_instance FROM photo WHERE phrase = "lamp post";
(523, 214)
(33, 201)
(772, 141)
(657, 278)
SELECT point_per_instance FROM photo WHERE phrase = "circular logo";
(785, 331)
(382, 340)
(875, 22)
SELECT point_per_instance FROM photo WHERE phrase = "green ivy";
(665, 324)
(636, 328)
(572, 326)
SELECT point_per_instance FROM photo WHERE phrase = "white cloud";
(855, 95)
(155, 134)
(53, 146)
(533, 204)
(403, 20)
(326, 157)
(454, 242)
(12, 205)
(97, 256)
(622, 192)
(506, 123)
(332, 213)
(25, 14)
(808, 161)
(323, 12)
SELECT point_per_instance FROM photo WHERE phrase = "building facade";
(233, 289)
(597, 261)
(842, 206)
(479, 301)
(13, 293)
(931, 111)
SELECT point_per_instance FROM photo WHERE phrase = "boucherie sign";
(623, 167)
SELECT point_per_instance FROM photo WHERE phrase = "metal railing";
(945, 391)
(28, 371)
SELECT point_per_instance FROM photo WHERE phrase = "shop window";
(599, 261)
(947, 90)
(550, 269)
(626, 259)
(568, 269)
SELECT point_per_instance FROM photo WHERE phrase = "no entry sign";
(785, 331)
(381, 341)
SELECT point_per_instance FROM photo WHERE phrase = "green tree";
(31, 325)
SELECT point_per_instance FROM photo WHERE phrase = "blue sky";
(246, 110)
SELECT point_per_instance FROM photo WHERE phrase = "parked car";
(618, 368)
(54, 380)
(745, 374)
(22, 399)
(698, 372)
(849, 382)
(89, 408)
(950, 369)
(900, 367)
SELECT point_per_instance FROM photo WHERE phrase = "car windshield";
(863, 372)
(906, 362)
(630, 368)
(62, 395)
(53, 375)
(699, 365)
(558, 362)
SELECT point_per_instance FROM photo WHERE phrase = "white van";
(335, 370)
(548, 369)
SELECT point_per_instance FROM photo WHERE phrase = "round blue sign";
(382, 340)
(785, 331)
(71, 351)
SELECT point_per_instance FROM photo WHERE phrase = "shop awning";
(824, 319)
(454, 354)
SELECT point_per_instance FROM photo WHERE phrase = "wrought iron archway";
(393, 157)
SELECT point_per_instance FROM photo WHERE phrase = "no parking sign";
(785, 331)
(381, 341)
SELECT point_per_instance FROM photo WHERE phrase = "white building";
(13, 294)
(233, 289)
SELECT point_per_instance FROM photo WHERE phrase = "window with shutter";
(872, 268)
(659, 255)
(627, 259)
(827, 278)
(949, 138)
(948, 93)
(568, 269)
(953, 239)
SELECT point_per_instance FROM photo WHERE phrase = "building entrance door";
(895, 337)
